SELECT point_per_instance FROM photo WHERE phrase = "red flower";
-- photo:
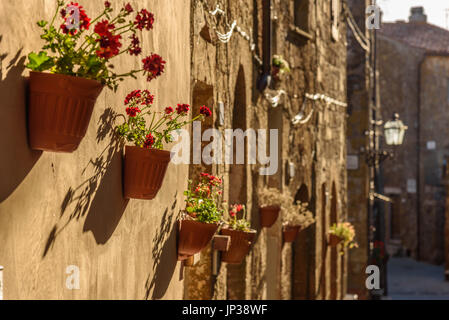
(107, 4)
(134, 48)
(132, 95)
(148, 98)
(144, 20)
(153, 66)
(109, 46)
(128, 8)
(102, 28)
(149, 141)
(109, 43)
(84, 22)
(205, 111)
(182, 108)
(132, 111)
(169, 110)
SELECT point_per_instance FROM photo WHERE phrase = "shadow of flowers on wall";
(99, 198)
(164, 255)
(17, 158)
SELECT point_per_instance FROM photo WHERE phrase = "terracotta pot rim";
(291, 226)
(271, 207)
(66, 75)
(152, 150)
(194, 220)
(230, 229)
(334, 235)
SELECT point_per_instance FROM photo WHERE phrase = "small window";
(301, 17)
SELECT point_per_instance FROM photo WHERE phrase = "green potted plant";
(342, 232)
(75, 63)
(378, 255)
(242, 236)
(146, 162)
(202, 216)
(295, 217)
(280, 67)
(270, 200)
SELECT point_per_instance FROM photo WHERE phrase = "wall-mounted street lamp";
(394, 131)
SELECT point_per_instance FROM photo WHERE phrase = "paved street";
(411, 280)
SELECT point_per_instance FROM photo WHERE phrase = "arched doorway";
(302, 259)
(323, 283)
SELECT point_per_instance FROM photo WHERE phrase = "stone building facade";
(58, 210)
(360, 103)
(414, 82)
(310, 35)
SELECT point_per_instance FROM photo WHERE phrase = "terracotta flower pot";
(334, 240)
(194, 237)
(240, 244)
(144, 172)
(60, 108)
(290, 233)
(268, 215)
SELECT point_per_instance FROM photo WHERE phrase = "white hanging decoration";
(298, 119)
(217, 10)
(274, 100)
(325, 98)
(226, 36)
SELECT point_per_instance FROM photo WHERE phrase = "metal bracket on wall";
(192, 260)
(219, 243)
(376, 157)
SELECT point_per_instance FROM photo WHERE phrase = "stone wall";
(399, 91)
(360, 100)
(274, 270)
(434, 130)
(416, 88)
(67, 209)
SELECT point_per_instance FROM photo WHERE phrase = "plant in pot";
(270, 201)
(202, 217)
(296, 217)
(279, 68)
(342, 232)
(378, 255)
(146, 162)
(240, 232)
(75, 63)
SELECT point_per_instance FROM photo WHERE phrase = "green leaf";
(42, 23)
(39, 62)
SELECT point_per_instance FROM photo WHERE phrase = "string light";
(217, 10)
(225, 38)
(325, 98)
(274, 100)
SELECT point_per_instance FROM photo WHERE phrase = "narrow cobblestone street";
(412, 280)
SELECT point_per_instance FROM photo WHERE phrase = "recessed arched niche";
(334, 250)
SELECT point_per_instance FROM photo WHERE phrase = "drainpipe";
(418, 162)
(265, 78)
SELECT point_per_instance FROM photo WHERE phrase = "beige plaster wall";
(58, 210)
